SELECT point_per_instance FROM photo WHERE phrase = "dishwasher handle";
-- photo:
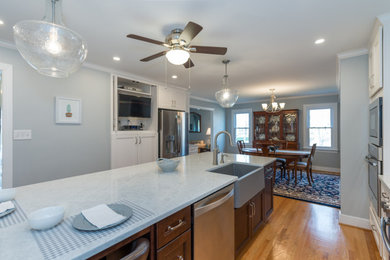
(209, 206)
(384, 223)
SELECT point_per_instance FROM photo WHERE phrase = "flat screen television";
(133, 106)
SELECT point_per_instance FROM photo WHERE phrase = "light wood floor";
(301, 230)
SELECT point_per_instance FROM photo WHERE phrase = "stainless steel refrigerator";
(172, 133)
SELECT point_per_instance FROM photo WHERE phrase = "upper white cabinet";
(376, 62)
(172, 98)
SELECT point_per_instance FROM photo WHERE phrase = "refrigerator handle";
(178, 135)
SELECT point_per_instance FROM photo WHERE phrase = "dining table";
(290, 156)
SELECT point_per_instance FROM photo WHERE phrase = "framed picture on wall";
(68, 110)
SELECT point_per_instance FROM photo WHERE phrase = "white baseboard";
(354, 221)
(326, 169)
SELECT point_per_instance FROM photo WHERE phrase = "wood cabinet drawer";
(172, 226)
(178, 249)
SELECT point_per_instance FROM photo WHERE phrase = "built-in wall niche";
(134, 105)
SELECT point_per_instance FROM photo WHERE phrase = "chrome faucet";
(216, 150)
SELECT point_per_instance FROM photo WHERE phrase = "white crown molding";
(203, 99)
(354, 221)
(352, 53)
(122, 73)
(202, 108)
(289, 98)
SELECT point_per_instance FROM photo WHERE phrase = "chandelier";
(48, 46)
(226, 97)
(273, 106)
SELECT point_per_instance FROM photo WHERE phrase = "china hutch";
(281, 126)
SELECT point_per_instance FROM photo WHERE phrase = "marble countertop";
(145, 185)
(385, 179)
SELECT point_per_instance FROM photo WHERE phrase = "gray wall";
(205, 122)
(58, 151)
(354, 136)
(328, 159)
(218, 120)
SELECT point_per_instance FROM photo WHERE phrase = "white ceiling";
(270, 42)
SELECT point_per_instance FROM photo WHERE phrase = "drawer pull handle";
(170, 229)
(180, 257)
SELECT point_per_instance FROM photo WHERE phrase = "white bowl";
(46, 218)
(167, 165)
(7, 194)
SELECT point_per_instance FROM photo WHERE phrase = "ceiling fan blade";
(189, 64)
(141, 38)
(154, 56)
(209, 50)
(190, 31)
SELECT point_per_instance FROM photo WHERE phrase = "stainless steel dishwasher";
(214, 226)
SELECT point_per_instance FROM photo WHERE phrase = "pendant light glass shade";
(177, 56)
(48, 46)
(226, 97)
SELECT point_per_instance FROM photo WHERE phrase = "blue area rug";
(325, 190)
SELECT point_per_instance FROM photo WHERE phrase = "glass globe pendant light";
(226, 97)
(48, 46)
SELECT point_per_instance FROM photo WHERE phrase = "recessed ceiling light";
(1, 22)
(116, 58)
(320, 41)
(174, 76)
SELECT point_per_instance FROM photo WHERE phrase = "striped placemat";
(63, 238)
(16, 217)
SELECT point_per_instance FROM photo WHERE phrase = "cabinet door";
(259, 126)
(180, 100)
(268, 192)
(257, 215)
(165, 99)
(178, 249)
(124, 151)
(242, 224)
(274, 125)
(375, 63)
(147, 148)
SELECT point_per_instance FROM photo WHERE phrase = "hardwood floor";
(301, 230)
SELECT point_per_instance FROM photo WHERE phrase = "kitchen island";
(145, 185)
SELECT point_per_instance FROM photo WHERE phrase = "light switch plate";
(24, 134)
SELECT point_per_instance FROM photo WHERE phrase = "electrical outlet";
(24, 134)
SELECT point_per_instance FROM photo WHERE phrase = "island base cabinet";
(247, 220)
(178, 249)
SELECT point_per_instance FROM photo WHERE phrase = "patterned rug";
(325, 190)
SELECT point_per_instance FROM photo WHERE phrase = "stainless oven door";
(373, 181)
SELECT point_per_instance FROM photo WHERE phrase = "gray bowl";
(167, 165)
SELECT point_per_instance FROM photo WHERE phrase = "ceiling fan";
(178, 42)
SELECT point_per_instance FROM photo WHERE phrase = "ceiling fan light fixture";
(48, 46)
(177, 56)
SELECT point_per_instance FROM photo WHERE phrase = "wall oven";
(374, 160)
(375, 122)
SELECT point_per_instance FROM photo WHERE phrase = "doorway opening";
(6, 126)
(200, 129)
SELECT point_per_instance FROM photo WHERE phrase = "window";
(241, 125)
(321, 126)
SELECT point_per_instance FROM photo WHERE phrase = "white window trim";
(333, 107)
(240, 111)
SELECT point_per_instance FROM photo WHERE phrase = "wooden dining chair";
(304, 166)
(240, 145)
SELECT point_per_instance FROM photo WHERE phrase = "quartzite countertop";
(144, 185)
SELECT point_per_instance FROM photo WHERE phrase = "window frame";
(334, 125)
(242, 111)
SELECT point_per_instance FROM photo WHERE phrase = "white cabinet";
(172, 98)
(133, 148)
(375, 228)
(376, 62)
